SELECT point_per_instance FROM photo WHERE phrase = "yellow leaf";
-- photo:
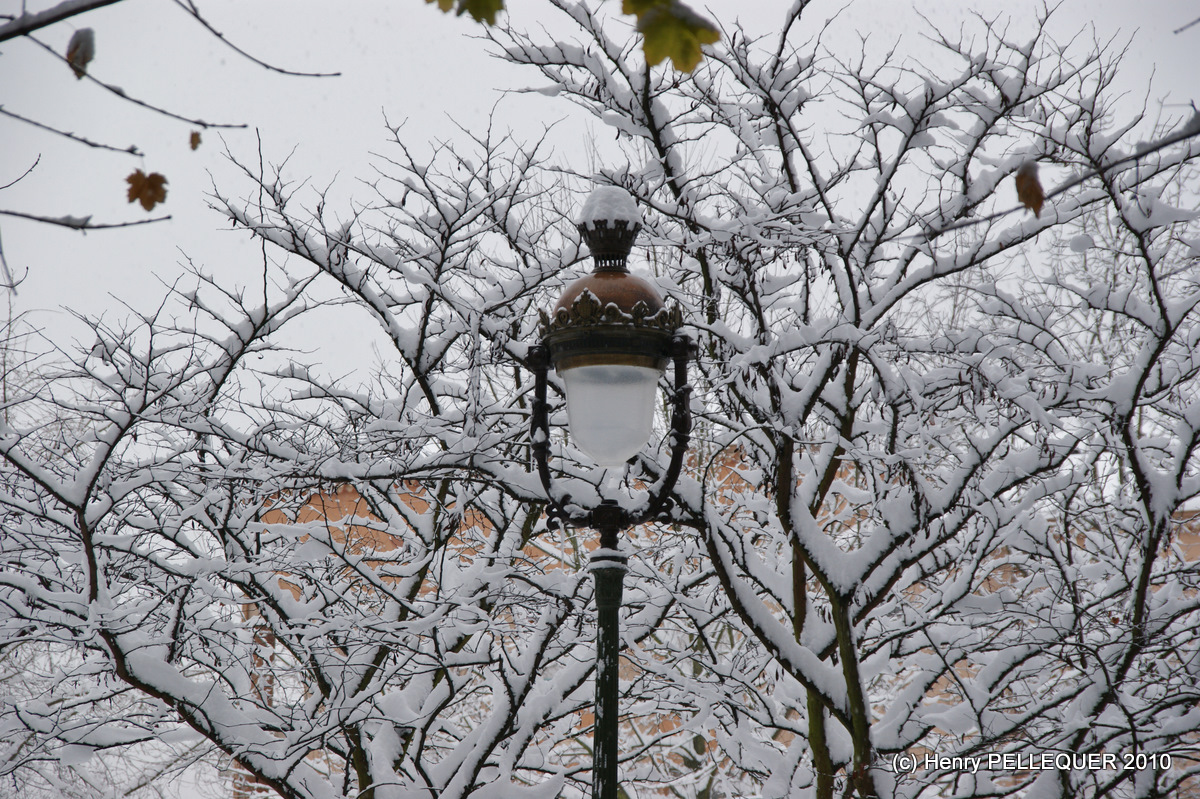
(669, 35)
(671, 30)
(149, 190)
(194, 139)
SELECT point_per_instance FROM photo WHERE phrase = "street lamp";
(610, 339)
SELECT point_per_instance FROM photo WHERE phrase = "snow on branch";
(25, 24)
(81, 223)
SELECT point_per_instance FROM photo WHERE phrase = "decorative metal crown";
(610, 242)
(587, 311)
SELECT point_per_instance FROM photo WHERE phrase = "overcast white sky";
(401, 58)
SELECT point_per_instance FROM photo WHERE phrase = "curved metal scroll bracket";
(607, 516)
(538, 362)
(661, 504)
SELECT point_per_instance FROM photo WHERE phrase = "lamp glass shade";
(610, 409)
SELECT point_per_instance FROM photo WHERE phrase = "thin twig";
(8, 283)
(194, 12)
(83, 223)
(118, 91)
(24, 174)
(1185, 27)
(131, 149)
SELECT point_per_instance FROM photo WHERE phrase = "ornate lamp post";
(610, 339)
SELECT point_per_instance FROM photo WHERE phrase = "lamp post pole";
(608, 568)
(610, 339)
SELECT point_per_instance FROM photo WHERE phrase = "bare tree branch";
(9, 282)
(131, 149)
(194, 12)
(24, 174)
(28, 23)
(119, 92)
(83, 223)
(1185, 27)
(1188, 131)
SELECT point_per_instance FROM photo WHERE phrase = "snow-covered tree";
(929, 529)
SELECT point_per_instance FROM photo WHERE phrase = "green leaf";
(671, 30)
(640, 7)
(484, 11)
(481, 10)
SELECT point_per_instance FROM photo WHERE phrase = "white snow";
(611, 204)
(1082, 243)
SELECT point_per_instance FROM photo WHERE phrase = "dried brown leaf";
(81, 50)
(1029, 190)
(149, 190)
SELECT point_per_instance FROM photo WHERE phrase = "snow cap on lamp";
(609, 222)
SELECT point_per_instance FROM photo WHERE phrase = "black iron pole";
(608, 567)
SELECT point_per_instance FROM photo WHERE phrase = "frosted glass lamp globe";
(610, 409)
